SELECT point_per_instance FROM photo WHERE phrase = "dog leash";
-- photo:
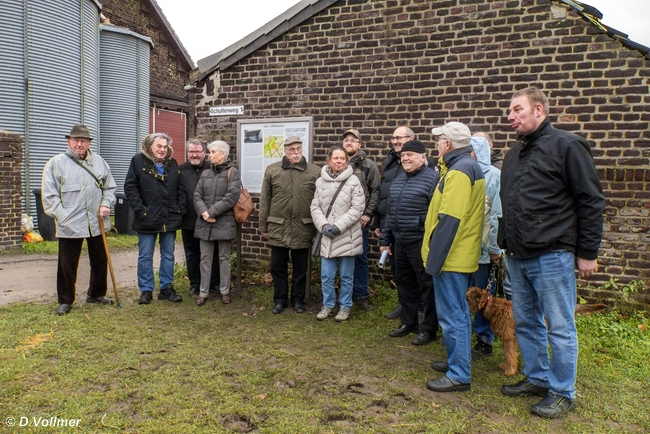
(491, 279)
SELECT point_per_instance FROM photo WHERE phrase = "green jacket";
(453, 230)
(287, 192)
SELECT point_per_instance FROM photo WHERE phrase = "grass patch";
(175, 367)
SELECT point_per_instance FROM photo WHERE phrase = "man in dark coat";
(190, 173)
(156, 194)
(401, 235)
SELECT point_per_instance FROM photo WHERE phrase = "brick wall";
(374, 65)
(11, 160)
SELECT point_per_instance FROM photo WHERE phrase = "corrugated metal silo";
(124, 96)
(12, 68)
(62, 80)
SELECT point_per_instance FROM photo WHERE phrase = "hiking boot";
(324, 313)
(168, 293)
(225, 298)
(395, 313)
(365, 304)
(343, 315)
(145, 297)
(552, 406)
(200, 301)
(480, 350)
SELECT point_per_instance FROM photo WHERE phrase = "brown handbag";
(244, 206)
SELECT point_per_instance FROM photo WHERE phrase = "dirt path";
(32, 278)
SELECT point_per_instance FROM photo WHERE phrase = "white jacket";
(71, 197)
(345, 214)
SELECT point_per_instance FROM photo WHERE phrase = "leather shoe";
(402, 331)
(440, 366)
(395, 313)
(200, 301)
(100, 300)
(446, 384)
(145, 297)
(422, 339)
(523, 388)
(225, 298)
(299, 307)
(552, 406)
(278, 308)
(480, 350)
(63, 309)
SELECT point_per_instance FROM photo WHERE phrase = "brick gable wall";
(11, 160)
(375, 65)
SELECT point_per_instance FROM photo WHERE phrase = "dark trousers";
(66, 275)
(414, 286)
(280, 274)
(192, 248)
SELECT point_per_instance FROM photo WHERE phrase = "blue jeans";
(480, 279)
(328, 268)
(146, 245)
(361, 268)
(455, 322)
(544, 287)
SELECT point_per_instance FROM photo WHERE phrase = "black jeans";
(192, 248)
(280, 274)
(66, 275)
(414, 286)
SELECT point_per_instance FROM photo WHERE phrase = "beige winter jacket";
(346, 212)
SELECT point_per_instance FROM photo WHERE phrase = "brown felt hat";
(79, 132)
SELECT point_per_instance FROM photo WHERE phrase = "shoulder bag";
(244, 206)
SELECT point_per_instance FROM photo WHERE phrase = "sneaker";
(324, 313)
(552, 406)
(168, 293)
(395, 313)
(343, 315)
(145, 297)
(480, 350)
(365, 304)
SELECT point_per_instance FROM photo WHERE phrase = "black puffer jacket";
(551, 196)
(408, 203)
(158, 201)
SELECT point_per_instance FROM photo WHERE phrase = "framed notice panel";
(260, 142)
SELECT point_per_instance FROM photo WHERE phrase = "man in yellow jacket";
(451, 249)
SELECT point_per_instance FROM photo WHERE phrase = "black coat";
(158, 201)
(190, 175)
(551, 196)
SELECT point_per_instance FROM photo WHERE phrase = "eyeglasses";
(351, 141)
(195, 152)
(293, 150)
(439, 138)
(394, 138)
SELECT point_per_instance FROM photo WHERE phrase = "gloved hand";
(335, 231)
(327, 231)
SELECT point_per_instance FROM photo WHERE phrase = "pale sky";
(208, 26)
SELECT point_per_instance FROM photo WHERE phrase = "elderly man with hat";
(285, 221)
(403, 228)
(78, 188)
(451, 249)
(366, 170)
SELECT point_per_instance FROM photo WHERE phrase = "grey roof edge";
(186, 56)
(594, 16)
(260, 37)
(124, 30)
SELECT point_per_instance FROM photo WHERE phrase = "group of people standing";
(443, 224)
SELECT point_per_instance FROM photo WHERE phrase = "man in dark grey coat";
(285, 221)
(190, 174)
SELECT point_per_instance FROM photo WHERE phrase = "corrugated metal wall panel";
(12, 68)
(90, 71)
(60, 38)
(124, 91)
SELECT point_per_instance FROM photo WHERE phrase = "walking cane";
(108, 259)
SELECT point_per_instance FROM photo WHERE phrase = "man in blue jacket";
(552, 223)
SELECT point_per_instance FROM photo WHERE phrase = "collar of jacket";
(221, 166)
(358, 157)
(201, 166)
(545, 125)
(416, 171)
(74, 155)
(300, 165)
(451, 157)
(150, 169)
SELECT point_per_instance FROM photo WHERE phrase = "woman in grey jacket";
(341, 229)
(215, 195)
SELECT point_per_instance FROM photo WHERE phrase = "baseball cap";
(455, 131)
(352, 131)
